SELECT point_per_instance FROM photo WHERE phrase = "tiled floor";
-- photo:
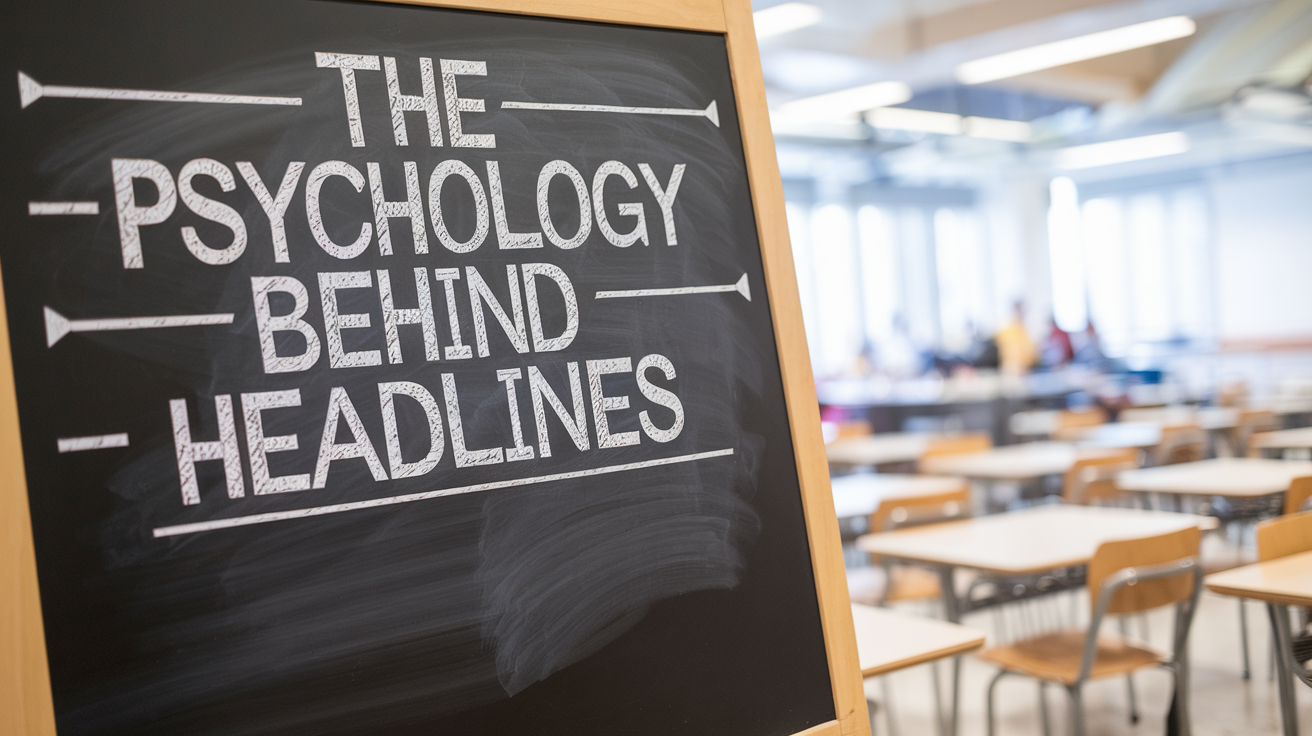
(1223, 703)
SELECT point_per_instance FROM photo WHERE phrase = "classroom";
(714, 367)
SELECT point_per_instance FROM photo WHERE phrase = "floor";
(1224, 704)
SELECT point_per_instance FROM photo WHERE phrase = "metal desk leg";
(1288, 708)
(952, 612)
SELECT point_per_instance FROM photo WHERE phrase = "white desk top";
(860, 494)
(888, 640)
(1232, 476)
(1027, 541)
(1211, 417)
(1285, 580)
(878, 449)
(1012, 462)
(1281, 439)
(1121, 434)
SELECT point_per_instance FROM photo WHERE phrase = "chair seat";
(1056, 656)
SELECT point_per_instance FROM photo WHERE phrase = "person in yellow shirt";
(1017, 352)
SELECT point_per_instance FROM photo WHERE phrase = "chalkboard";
(407, 370)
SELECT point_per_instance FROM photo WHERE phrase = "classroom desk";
(1013, 462)
(1211, 418)
(1283, 439)
(879, 449)
(887, 640)
(1018, 543)
(1124, 435)
(1280, 583)
(860, 494)
(1234, 477)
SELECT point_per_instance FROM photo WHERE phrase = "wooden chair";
(905, 582)
(1300, 490)
(1094, 479)
(854, 428)
(1284, 536)
(1129, 576)
(1071, 424)
(1183, 443)
(1251, 423)
(959, 445)
(1297, 495)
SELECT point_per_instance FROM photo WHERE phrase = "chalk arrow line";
(63, 208)
(93, 442)
(739, 286)
(711, 112)
(206, 526)
(57, 325)
(30, 90)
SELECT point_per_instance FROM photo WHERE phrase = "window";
(1147, 262)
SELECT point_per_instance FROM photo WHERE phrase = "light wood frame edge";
(26, 705)
(795, 367)
(25, 688)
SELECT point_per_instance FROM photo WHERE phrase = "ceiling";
(921, 42)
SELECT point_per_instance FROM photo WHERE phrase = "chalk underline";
(206, 526)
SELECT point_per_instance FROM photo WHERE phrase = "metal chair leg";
(887, 687)
(1077, 710)
(1043, 709)
(1243, 638)
(938, 701)
(988, 707)
(1134, 704)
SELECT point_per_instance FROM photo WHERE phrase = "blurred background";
(1114, 189)
(1053, 254)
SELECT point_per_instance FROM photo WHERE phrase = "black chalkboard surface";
(397, 370)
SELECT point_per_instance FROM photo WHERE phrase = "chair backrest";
(958, 445)
(1093, 478)
(1112, 557)
(1184, 443)
(1250, 423)
(1300, 490)
(1087, 418)
(898, 512)
(853, 428)
(1284, 536)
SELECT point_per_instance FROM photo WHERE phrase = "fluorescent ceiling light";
(1048, 55)
(1003, 130)
(847, 103)
(783, 18)
(902, 118)
(943, 123)
(1119, 152)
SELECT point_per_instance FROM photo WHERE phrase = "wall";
(1263, 250)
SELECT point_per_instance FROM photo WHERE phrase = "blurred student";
(1057, 348)
(1017, 352)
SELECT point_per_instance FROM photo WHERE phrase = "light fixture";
(943, 123)
(1016, 131)
(1122, 151)
(902, 118)
(846, 104)
(1091, 46)
(783, 18)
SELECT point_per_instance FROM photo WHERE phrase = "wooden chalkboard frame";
(26, 706)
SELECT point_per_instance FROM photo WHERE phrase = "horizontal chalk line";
(63, 208)
(146, 323)
(205, 526)
(93, 442)
(622, 293)
(152, 95)
(602, 108)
